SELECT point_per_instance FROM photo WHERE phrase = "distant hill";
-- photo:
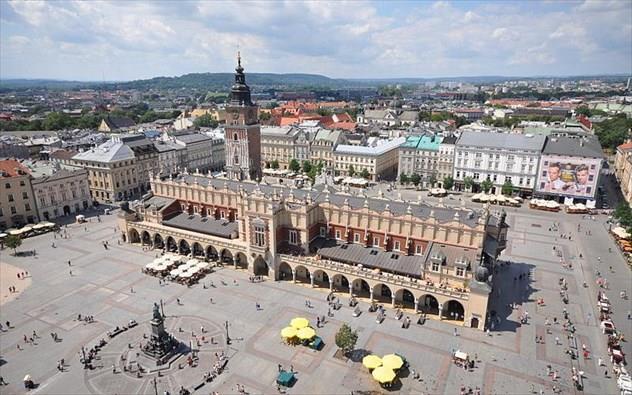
(225, 80)
(222, 81)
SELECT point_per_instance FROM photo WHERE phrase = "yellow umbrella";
(383, 374)
(306, 333)
(288, 332)
(299, 322)
(371, 361)
(392, 361)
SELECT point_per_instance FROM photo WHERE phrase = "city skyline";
(137, 40)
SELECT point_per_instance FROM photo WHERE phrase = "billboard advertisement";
(568, 176)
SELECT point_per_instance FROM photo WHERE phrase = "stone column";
(331, 285)
(350, 290)
(393, 301)
(311, 280)
(440, 311)
(235, 262)
(294, 276)
(371, 295)
(416, 305)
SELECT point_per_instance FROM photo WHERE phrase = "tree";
(295, 166)
(148, 116)
(403, 178)
(468, 182)
(448, 182)
(57, 121)
(365, 174)
(274, 164)
(487, 185)
(432, 180)
(265, 116)
(415, 179)
(205, 121)
(13, 241)
(351, 171)
(307, 167)
(346, 338)
(267, 165)
(613, 132)
(623, 213)
(507, 188)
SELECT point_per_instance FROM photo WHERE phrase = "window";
(338, 234)
(25, 195)
(323, 231)
(356, 237)
(418, 249)
(460, 271)
(396, 246)
(260, 237)
(435, 267)
(235, 137)
(293, 237)
(520, 181)
(27, 207)
(1, 213)
(376, 242)
(10, 197)
(476, 176)
(22, 183)
(7, 185)
(222, 215)
(495, 177)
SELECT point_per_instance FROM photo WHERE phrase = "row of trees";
(415, 179)
(88, 120)
(613, 132)
(306, 167)
(623, 213)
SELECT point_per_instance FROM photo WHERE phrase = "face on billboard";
(568, 176)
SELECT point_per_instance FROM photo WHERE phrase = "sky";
(126, 40)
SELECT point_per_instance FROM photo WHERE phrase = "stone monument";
(161, 343)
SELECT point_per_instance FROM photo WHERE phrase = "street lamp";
(85, 361)
(227, 336)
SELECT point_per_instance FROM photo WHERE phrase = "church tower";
(242, 131)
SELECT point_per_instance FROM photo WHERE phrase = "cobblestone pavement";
(110, 286)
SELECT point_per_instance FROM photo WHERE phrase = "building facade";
(623, 170)
(62, 193)
(569, 169)
(202, 152)
(379, 161)
(445, 166)
(420, 155)
(17, 202)
(500, 157)
(242, 131)
(432, 259)
(323, 145)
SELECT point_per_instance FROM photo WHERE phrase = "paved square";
(110, 286)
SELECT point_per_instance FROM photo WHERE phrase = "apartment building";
(17, 202)
(499, 157)
(420, 155)
(380, 161)
(623, 170)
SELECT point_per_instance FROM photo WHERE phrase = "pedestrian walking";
(70, 273)
(455, 332)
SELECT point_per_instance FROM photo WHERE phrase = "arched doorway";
(453, 310)
(158, 242)
(184, 248)
(133, 236)
(382, 293)
(260, 267)
(361, 288)
(211, 253)
(474, 322)
(146, 238)
(66, 210)
(302, 274)
(226, 257)
(405, 298)
(341, 284)
(242, 260)
(171, 244)
(429, 304)
(198, 251)
(321, 279)
(285, 272)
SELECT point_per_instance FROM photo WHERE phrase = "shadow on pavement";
(510, 290)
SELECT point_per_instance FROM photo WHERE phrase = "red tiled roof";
(625, 147)
(11, 168)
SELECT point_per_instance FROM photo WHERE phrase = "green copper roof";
(426, 143)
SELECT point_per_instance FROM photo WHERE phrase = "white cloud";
(340, 38)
